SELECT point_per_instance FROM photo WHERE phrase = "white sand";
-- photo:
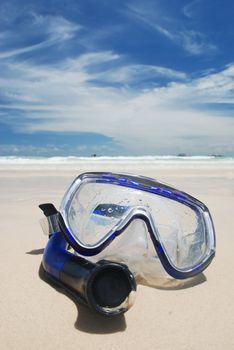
(34, 315)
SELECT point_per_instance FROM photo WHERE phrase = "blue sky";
(116, 77)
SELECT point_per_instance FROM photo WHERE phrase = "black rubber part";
(102, 285)
(48, 209)
(65, 289)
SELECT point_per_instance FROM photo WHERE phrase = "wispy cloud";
(55, 29)
(52, 81)
(129, 74)
(189, 10)
(16, 52)
(191, 40)
(65, 97)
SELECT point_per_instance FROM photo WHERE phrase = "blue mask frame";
(148, 185)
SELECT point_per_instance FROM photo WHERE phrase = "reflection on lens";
(110, 210)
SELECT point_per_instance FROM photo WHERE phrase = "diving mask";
(137, 221)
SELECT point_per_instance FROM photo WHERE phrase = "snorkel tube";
(106, 287)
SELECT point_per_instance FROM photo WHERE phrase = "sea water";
(120, 162)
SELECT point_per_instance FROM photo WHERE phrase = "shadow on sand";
(177, 284)
(90, 322)
(36, 251)
(87, 321)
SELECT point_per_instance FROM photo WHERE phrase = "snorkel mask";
(128, 227)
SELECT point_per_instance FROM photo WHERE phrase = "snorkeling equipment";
(106, 287)
(117, 220)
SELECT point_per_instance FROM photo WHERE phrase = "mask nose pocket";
(135, 249)
(135, 239)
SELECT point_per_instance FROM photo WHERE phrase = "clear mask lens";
(98, 209)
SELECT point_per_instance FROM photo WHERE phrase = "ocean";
(124, 163)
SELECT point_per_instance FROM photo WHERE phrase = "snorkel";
(106, 287)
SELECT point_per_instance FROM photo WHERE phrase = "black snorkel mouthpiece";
(107, 287)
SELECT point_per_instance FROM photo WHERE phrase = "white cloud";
(169, 118)
(192, 41)
(91, 59)
(56, 29)
(99, 92)
(189, 10)
(12, 53)
(138, 72)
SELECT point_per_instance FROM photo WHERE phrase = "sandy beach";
(37, 315)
